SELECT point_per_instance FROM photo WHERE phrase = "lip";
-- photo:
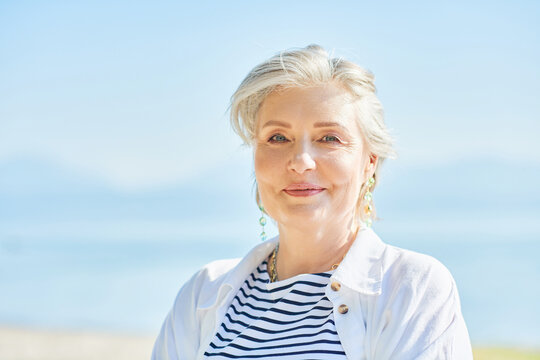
(303, 189)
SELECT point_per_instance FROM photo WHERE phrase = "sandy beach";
(25, 344)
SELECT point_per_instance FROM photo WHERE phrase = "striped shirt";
(288, 319)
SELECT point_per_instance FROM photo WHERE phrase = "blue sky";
(136, 93)
(114, 132)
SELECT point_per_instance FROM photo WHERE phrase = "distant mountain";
(31, 189)
(22, 177)
(466, 186)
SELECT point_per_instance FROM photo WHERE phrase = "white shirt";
(390, 303)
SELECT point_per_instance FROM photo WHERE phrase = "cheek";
(345, 173)
(269, 177)
(344, 168)
(266, 164)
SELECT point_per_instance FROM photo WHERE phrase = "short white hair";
(311, 66)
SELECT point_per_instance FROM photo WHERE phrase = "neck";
(311, 249)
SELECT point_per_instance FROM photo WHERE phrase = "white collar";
(361, 269)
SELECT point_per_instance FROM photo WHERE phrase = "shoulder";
(215, 270)
(206, 282)
(212, 280)
(414, 267)
(412, 271)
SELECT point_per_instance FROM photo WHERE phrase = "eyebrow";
(288, 126)
(277, 123)
(327, 124)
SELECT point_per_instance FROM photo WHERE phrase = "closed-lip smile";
(303, 189)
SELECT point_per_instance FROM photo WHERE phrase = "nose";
(302, 158)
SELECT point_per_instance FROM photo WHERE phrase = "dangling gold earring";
(262, 221)
(368, 207)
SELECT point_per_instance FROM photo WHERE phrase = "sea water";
(86, 279)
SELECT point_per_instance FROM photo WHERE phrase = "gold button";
(343, 309)
(335, 286)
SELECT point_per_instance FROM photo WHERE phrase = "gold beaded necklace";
(272, 264)
(273, 269)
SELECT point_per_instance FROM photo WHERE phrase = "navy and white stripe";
(288, 319)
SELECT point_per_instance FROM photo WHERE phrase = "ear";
(371, 166)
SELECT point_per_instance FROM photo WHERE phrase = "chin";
(305, 213)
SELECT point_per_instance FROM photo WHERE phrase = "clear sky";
(133, 95)
(136, 93)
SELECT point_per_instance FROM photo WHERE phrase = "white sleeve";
(448, 323)
(420, 317)
(179, 335)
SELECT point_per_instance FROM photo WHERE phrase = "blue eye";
(277, 138)
(330, 138)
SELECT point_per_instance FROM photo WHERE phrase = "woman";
(327, 287)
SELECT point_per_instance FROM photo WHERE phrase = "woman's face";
(310, 157)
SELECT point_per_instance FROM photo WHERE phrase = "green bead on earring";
(262, 221)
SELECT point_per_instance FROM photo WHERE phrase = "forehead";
(327, 102)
